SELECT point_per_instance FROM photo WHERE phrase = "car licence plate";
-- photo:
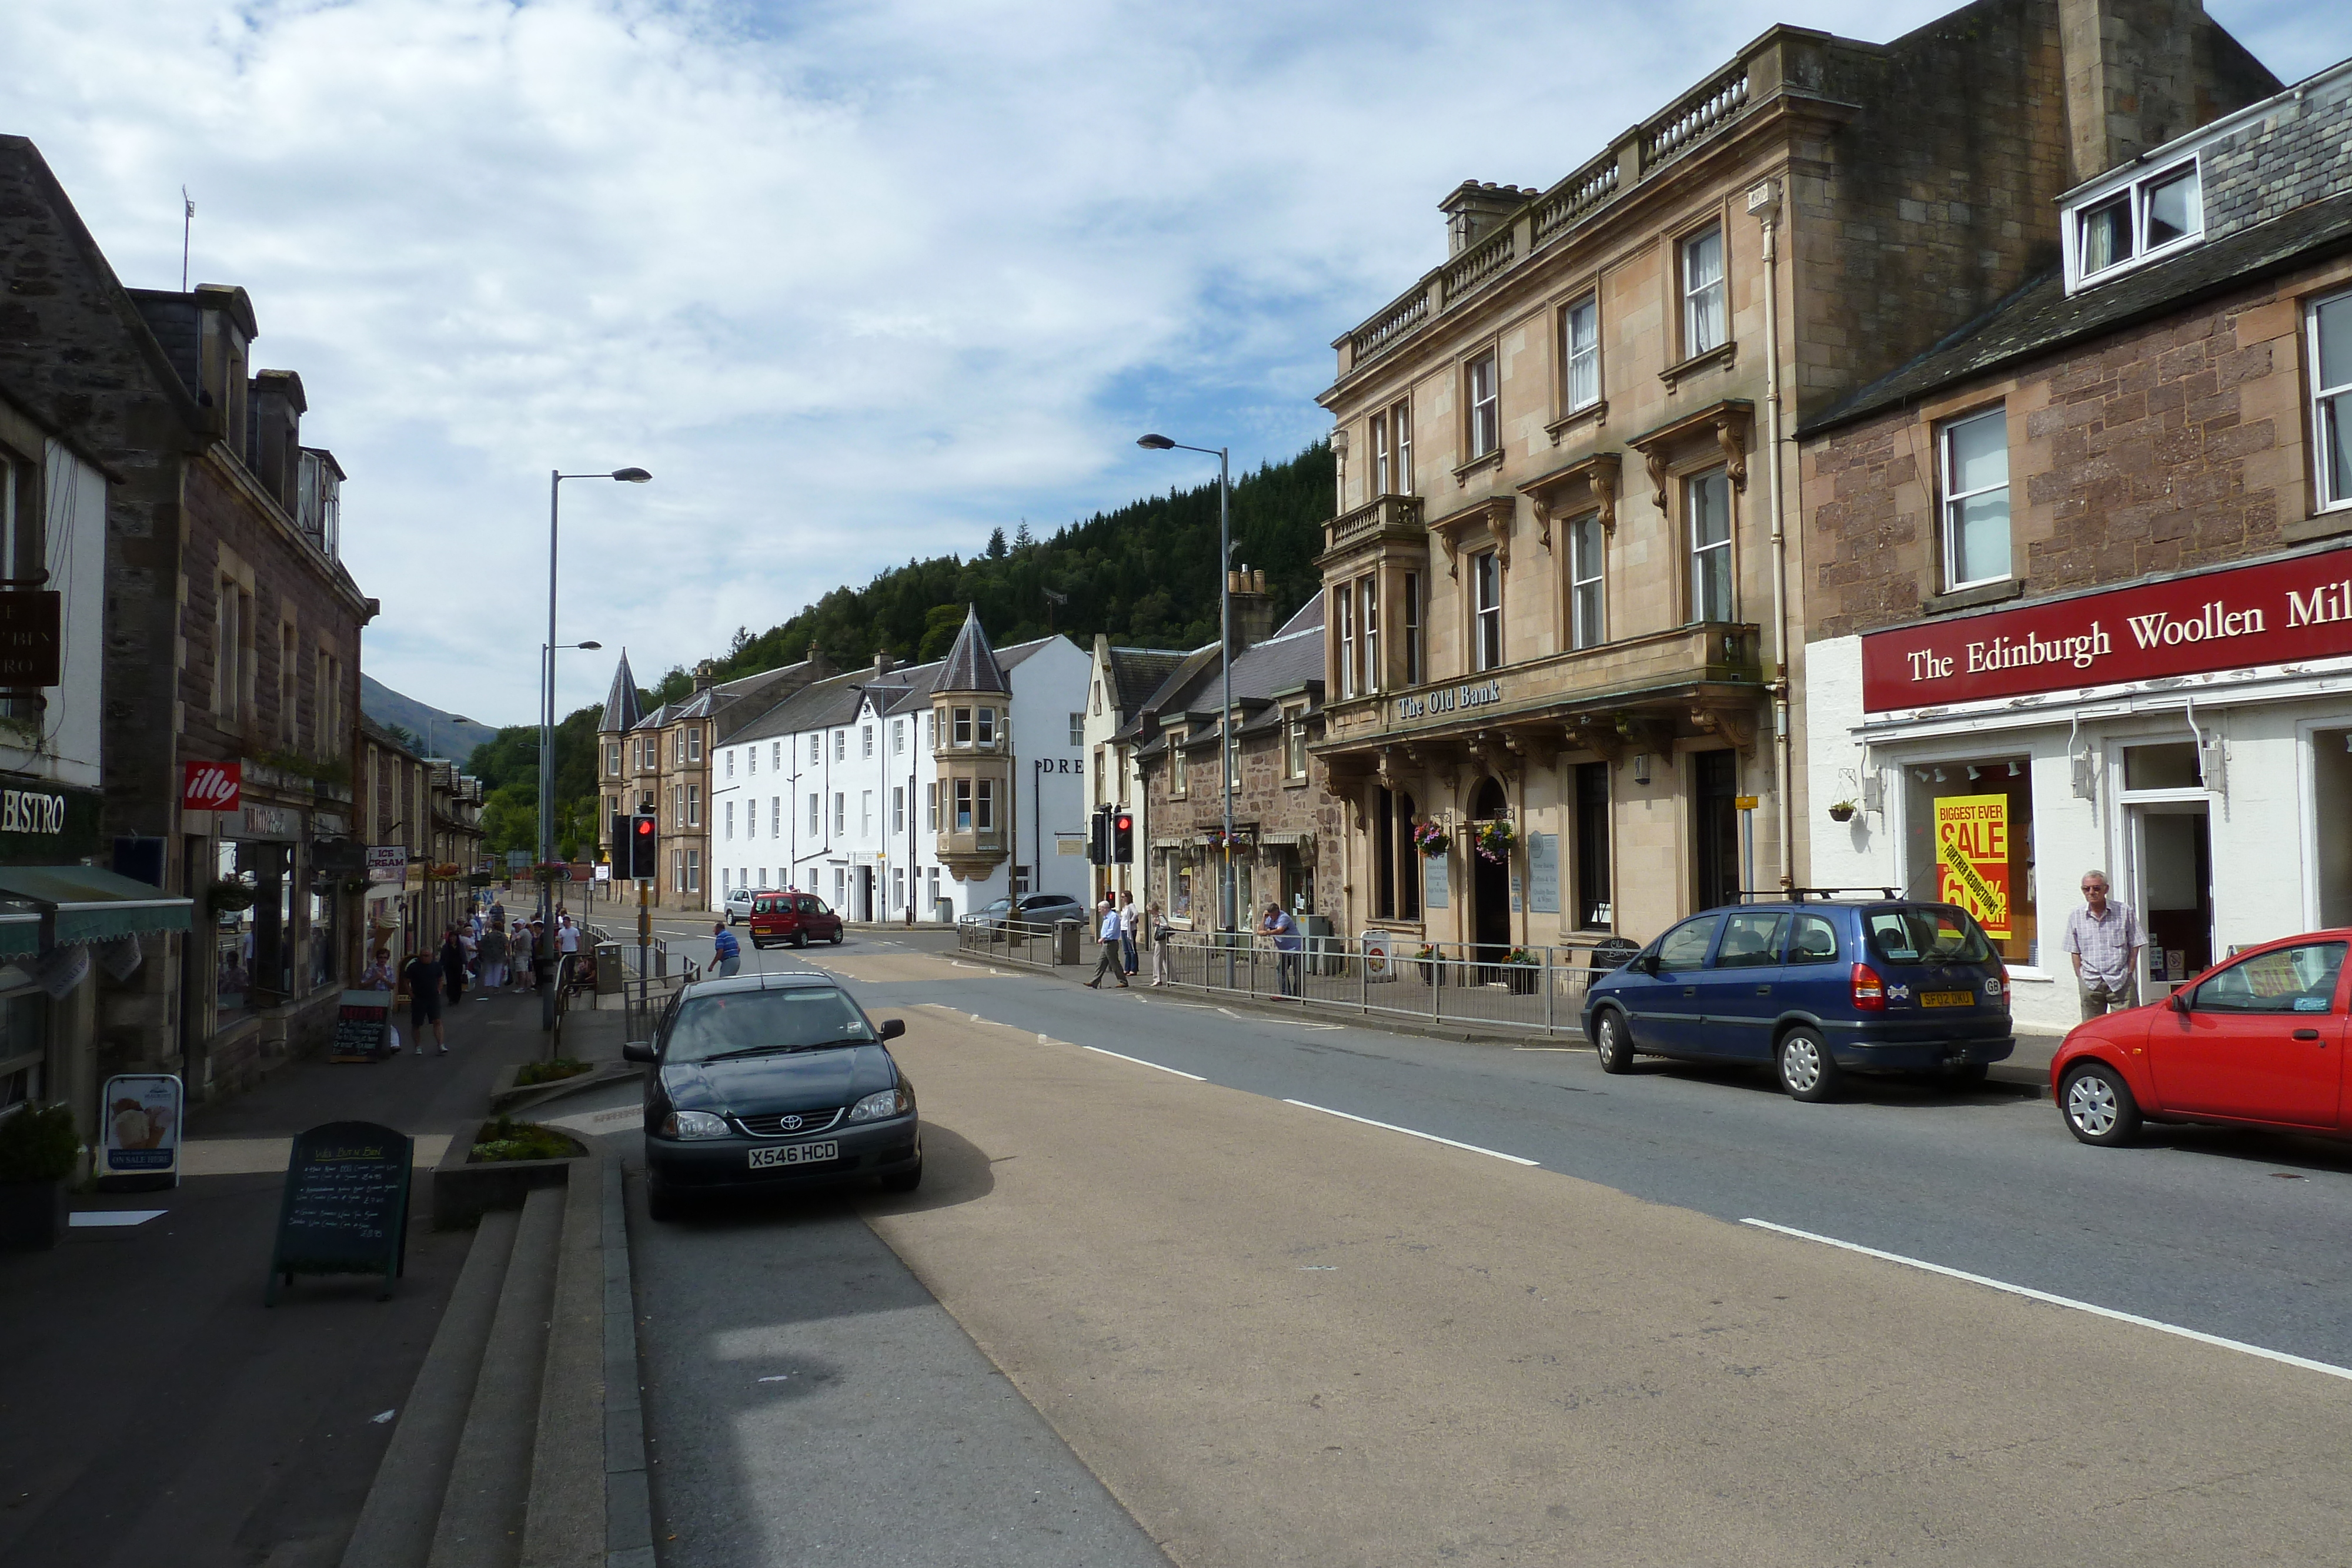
(794, 1154)
(1947, 999)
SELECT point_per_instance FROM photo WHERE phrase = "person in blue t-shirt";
(1279, 926)
(726, 953)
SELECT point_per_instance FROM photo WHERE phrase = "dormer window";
(2151, 216)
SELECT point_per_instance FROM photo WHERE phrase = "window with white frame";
(1177, 781)
(730, 762)
(613, 758)
(866, 740)
(731, 821)
(962, 818)
(1344, 601)
(1588, 610)
(776, 755)
(1580, 353)
(1974, 452)
(1383, 478)
(841, 746)
(1367, 620)
(1294, 754)
(694, 805)
(815, 742)
(775, 816)
(1484, 400)
(694, 743)
(898, 808)
(866, 813)
(1413, 673)
(986, 733)
(2331, 400)
(1400, 442)
(960, 727)
(840, 812)
(1704, 323)
(932, 731)
(694, 871)
(930, 808)
(898, 737)
(1706, 502)
(751, 759)
(983, 810)
(1487, 611)
(2153, 216)
(815, 824)
(1078, 729)
(750, 816)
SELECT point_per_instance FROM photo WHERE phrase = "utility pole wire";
(187, 223)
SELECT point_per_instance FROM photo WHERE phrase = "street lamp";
(547, 734)
(1225, 667)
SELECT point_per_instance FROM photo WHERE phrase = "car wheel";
(1611, 1043)
(836, 935)
(661, 1204)
(906, 1180)
(1805, 1069)
(800, 938)
(2098, 1106)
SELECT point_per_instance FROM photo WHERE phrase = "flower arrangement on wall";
(1494, 840)
(1429, 839)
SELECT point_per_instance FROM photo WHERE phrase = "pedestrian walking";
(1279, 925)
(1109, 964)
(567, 943)
(1163, 956)
(493, 952)
(726, 953)
(1127, 931)
(421, 978)
(2103, 938)
(379, 977)
(453, 966)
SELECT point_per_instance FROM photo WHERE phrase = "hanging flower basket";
(1493, 840)
(1429, 839)
(231, 896)
(1842, 811)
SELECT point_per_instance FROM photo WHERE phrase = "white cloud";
(855, 282)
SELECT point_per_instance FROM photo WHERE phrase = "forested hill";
(1146, 574)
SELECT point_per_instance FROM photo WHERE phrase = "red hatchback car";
(797, 919)
(2257, 1042)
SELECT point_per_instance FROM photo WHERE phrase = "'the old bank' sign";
(2276, 614)
(1439, 701)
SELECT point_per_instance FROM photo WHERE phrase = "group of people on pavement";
(1117, 923)
(481, 952)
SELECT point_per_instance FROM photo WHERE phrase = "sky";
(857, 283)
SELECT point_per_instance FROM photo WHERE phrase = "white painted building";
(1118, 682)
(837, 790)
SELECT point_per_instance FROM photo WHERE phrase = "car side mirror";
(1646, 962)
(638, 1050)
(2178, 1002)
(893, 1027)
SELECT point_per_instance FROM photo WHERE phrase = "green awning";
(91, 905)
(20, 933)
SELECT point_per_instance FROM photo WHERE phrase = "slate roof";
(621, 708)
(972, 664)
(2040, 315)
(1136, 673)
(1289, 662)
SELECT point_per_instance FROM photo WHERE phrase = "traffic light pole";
(644, 940)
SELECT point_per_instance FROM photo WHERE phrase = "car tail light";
(1869, 991)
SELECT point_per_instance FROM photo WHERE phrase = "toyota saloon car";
(2256, 1041)
(1814, 989)
(769, 1082)
(796, 919)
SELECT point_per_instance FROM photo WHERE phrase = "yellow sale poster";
(1972, 858)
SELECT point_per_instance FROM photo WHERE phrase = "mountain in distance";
(446, 735)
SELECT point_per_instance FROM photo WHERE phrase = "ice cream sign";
(2281, 611)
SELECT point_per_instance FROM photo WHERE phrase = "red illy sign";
(2276, 614)
(211, 786)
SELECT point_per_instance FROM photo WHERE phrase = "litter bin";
(608, 968)
(1065, 942)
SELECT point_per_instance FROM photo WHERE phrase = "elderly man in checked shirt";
(2104, 936)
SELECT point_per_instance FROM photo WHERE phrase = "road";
(1277, 1335)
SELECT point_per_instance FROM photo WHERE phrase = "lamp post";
(547, 733)
(1226, 669)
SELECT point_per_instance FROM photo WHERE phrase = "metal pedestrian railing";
(1533, 990)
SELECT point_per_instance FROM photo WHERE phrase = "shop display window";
(2168, 764)
(2331, 781)
(325, 951)
(1179, 885)
(24, 1038)
(1969, 840)
(231, 943)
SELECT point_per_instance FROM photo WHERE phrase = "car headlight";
(888, 1102)
(693, 1124)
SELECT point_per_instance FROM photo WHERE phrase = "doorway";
(2172, 866)
(1715, 828)
(1490, 881)
(865, 893)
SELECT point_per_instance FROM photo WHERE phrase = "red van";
(797, 919)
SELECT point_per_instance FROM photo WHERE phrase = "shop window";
(233, 933)
(2169, 765)
(2331, 400)
(1706, 502)
(1976, 499)
(1969, 840)
(1593, 911)
(1181, 870)
(2331, 769)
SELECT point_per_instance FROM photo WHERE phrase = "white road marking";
(85, 1219)
(1098, 1050)
(2031, 1294)
(1261, 1017)
(1571, 1049)
(1409, 1133)
(1188, 1007)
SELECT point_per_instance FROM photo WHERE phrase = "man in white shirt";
(1108, 933)
(567, 935)
(1127, 933)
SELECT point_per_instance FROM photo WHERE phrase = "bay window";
(1368, 621)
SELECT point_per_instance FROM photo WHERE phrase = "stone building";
(2077, 594)
(232, 640)
(1286, 845)
(1560, 576)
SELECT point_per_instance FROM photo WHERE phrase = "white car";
(738, 904)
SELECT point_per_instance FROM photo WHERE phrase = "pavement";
(152, 1411)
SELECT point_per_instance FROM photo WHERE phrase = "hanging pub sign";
(344, 1209)
(31, 646)
(1972, 858)
(387, 863)
(2279, 612)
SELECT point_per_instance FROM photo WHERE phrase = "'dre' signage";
(345, 1206)
(2276, 614)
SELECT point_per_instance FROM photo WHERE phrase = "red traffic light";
(644, 827)
(1126, 823)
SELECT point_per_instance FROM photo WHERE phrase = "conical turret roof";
(620, 709)
(972, 664)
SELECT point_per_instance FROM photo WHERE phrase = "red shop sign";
(2276, 614)
(211, 786)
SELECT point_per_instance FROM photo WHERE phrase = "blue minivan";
(1814, 989)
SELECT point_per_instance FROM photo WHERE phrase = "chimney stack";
(1253, 619)
(704, 674)
(1473, 210)
(882, 664)
(2132, 77)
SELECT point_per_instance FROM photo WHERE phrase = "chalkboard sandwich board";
(345, 1207)
(362, 1027)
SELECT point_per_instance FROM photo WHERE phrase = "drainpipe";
(1764, 201)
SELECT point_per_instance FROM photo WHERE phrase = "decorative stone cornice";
(1593, 479)
(1492, 516)
(1729, 422)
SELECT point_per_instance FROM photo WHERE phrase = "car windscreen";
(709, 1026)
(1926, 934)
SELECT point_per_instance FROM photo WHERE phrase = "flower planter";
(1841, 813)
(32, 1215)
(1432, 973)
(1521, 979)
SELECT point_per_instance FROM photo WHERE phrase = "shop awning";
(20, 933)
(90, 906)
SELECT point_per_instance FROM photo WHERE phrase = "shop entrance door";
(2172, 879)
(1490, 884)
(1715, 828)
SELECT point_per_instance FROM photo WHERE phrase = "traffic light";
(1122, 838)
(1098, 837)
(645, 846)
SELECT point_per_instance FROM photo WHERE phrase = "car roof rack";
(1800, 894)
